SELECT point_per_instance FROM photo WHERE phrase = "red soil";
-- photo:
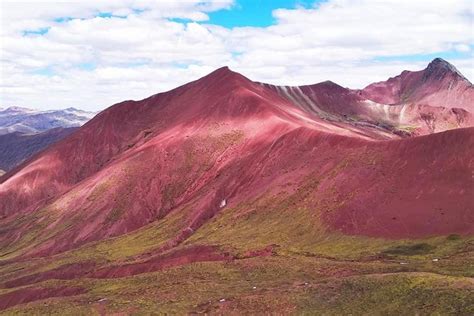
(175, 258)
(427, 189)
(66, 272)
(31, 294)
(154, 262)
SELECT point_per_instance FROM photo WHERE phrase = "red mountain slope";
(225, 139)
(219, 97)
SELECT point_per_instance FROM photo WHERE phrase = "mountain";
(18, 119)
(24, 132)
(232, 196)
(435, 99)
(439, 85)
(438, 97)
(16, 147)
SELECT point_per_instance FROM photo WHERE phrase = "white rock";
(223, 203)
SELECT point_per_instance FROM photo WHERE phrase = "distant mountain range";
(16, 147)
(24, 120)
(24, 132)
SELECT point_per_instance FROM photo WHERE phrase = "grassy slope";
(310, 270)
(278, 284)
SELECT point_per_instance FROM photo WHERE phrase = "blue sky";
(127, 49)
(257, 13)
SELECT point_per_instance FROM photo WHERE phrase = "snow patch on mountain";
(25, 120)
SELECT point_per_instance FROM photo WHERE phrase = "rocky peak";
(439, 68)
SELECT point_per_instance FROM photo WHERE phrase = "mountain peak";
(439, 68)
(223, 71)
(16, 110)
(223, 76)
(440, 63)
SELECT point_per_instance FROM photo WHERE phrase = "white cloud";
(462, 47)
(92, 62)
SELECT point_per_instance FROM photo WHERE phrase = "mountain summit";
(439, 68)
(440, 84)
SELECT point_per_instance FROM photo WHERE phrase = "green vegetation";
(278, 284)
(410, 250)
(453, 237)
(392, 294)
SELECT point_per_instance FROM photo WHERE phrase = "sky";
(91, 54)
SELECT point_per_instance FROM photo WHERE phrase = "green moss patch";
(410, 250)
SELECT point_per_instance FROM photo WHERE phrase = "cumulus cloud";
(91, 54)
